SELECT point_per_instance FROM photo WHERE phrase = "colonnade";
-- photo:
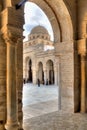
(43, 72)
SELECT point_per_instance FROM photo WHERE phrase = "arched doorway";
(40, 72)
(60, 19)
(27, 69)
(30, 71)
(50, 71)
(63, 37)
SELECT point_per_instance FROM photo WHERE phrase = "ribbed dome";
(38, 30)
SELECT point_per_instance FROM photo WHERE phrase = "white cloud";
(34, 16)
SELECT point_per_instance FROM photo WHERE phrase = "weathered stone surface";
(57, 121)
(69, 22)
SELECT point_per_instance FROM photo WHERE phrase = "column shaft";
(34, 76)
(83, 84)
(12, 122)
(56, 76)
(45, 76)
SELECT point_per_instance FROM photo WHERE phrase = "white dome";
(39, 30)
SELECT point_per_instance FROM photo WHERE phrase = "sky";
(34, 16)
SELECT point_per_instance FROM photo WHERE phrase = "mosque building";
(39, 57)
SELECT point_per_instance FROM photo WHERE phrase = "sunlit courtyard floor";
(40, 105)
(39, 100)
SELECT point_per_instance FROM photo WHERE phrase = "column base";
(12, 126)
(82, 112)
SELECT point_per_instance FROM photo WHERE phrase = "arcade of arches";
(39, 58)
(68, 19)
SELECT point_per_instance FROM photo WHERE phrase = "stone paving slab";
(40, 111)
(57, 121)
(40, 108)
(39, 100)
(33, 94)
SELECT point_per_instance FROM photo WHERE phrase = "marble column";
(12, 110)
(83, 84)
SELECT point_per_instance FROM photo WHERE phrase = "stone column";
(52, 76)
(27, 74)
(82, 52)
(56, 75)
(45, 75)
(34, 76)
(12, 111)
(83, 84)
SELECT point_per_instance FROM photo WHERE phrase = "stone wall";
(66, 67)
(19, 80)
(61, 19)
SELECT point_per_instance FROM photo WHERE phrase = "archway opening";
(63, 32)
(34, 16)
(62, 36)
(30, 72)
(44, 95)
(40, 72)
(50, 72)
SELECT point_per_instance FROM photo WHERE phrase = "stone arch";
(50, 59)
(59, 21)
(38, 61)
(28, 69)
(59, 17)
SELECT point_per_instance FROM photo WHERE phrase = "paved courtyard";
(40, 108)
(39, 100)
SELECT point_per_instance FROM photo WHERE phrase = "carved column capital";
(10, 39)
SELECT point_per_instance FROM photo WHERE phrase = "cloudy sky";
(34, 16)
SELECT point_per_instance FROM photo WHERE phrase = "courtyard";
(40, 110)
(39, 100)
